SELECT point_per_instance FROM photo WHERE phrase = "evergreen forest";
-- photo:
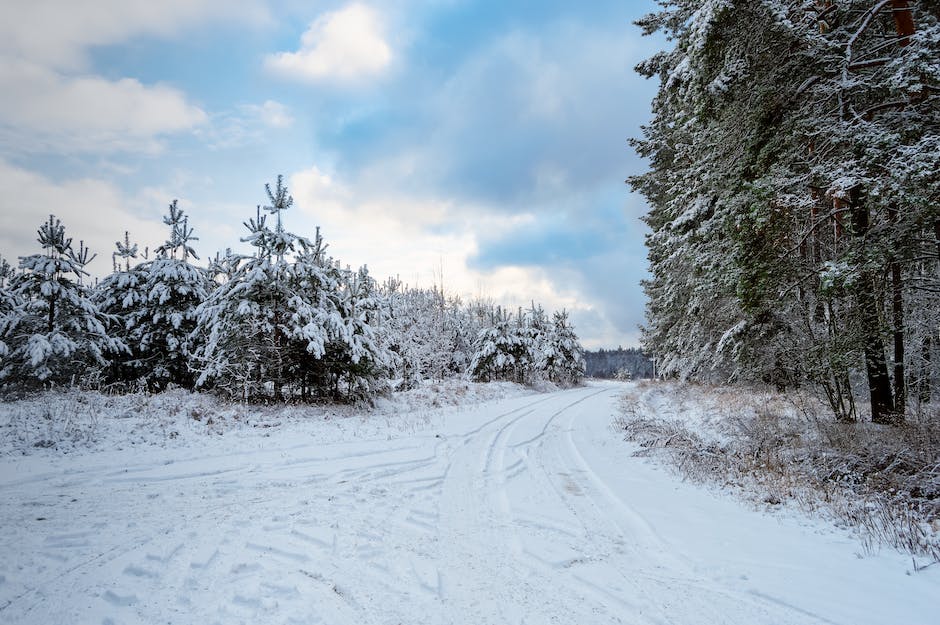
(794, 193)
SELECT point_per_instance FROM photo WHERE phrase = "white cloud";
(246, 124)
(344, 45)
(91, 210)
(418, 240)
(46, 111)
(53, 103)
(271, 113)
(536, 115)
(389, 234)
(59, 34)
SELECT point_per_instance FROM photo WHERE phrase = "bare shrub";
(884, 482)
(62, 417)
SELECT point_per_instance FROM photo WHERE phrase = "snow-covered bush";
(53, 332)
(432, 333)
(777, 448)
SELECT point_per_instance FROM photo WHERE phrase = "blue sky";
(482, 143)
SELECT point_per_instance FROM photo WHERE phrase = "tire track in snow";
(506, 520)
(484, 538)
(612, 603)
(661, 569)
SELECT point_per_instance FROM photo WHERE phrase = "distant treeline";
(620, 362)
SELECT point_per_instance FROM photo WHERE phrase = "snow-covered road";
(525, 510)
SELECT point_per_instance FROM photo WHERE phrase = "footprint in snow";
(119, 600)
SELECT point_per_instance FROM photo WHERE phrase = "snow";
(525, 509)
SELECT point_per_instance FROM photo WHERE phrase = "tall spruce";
(793, 195)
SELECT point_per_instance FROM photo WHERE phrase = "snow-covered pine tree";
(537, 325)
(335, 346)
(876, 161)
(360, 355)
(562, 357)
(695, 142)
(315, 319)
(503, 351)
(793, 194)
(432, 333)
(403, 330)
(56, 334)
(157, 302)
(125, 251)
(279, 328)
(9, 303)
(460, 328)
(122, 295)
(242, 324)
(223, 266)
(175, 289)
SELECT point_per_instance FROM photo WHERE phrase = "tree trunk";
(879, 384)
(924, 384)
(897, 308)
(876, 367)
(840, 399)
(926, 381)
(936, 234)
(903, 21)
(900, 389)
(50, 324)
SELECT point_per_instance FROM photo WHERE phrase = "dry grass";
(77, 421)
(880, 481)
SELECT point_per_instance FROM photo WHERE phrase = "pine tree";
(460, 329)
(55, 334)
(223, 266)
(360, 353)
(123, 295)
(537, 330)
(9, 304)
(503, 351)
(288, 323)
(175, 289)
(240, 323)
(156, 302)
(562, 357)
(789, 192)
(405, 328)
(7, 299)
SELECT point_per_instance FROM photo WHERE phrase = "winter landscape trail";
(526, 510)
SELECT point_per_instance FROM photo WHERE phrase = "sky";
(481, 145)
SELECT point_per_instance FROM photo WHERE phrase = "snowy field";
(526, 509)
